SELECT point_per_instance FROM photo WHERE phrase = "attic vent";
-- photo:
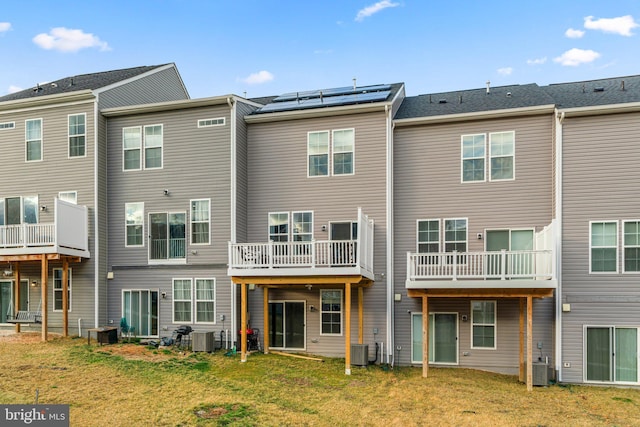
(509, 94)
(598, 89)
(442, 101)
(37, 88)
(205, 123)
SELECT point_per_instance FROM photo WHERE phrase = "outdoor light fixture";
(43, 208)
(34, 284)
(166, 192)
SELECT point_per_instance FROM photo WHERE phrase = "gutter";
(629, 107)
(479, 115)
(96, 225)
(234, 199)
(171, 105)
(61, 99)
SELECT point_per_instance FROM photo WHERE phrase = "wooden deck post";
(521, 358)
(425, 336)
(65, 297)
(16, 292)
(529, 343)
(43, 288)
(265, 307)
(360, 315)
(243, 322)
(347, 329)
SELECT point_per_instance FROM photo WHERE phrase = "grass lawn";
(132, 385)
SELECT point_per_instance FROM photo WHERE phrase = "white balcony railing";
(68, 234)
(503, 265)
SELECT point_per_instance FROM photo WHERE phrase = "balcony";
(315, 257)
(67, 235)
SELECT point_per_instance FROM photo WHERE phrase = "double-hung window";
(205, 301)
(77, 135)
(631, 243)
(603, 241)
(57, 290)
(182, 300)
(136, 140)
(429, 236)
(134, 214)
(339, 152)
(455, 238)
(302, 226)
(33, 136)
(188, 301)
(200, 221)
(502, 154)
(483, 324)
(279, 226)
(331, 312)
(473, 158)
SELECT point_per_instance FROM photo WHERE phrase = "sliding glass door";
(611, 354)
(140, 308)
(443, 338)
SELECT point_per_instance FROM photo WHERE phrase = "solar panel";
(330, 92)
(329, 101)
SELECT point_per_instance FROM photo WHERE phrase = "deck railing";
(503, 265)
(27, 235)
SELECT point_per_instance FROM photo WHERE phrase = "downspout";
(96, 234)
(389, 247)
(559, 117)
(234, 200)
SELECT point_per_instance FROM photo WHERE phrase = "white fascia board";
(317, 112)
(169, 105)
(46, 101)
(629, 107)
(478, 115)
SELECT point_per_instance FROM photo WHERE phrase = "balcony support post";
(243, 322)
(265, 315)
(521, 361)
(360, 315)
(425, 336)
(43, 288)
(529, 343)
(65, 297)
(347, 328)
(16, 292)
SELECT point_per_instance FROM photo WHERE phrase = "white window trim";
(203, 123)
(143, 158)
(584, 353)
(328, 132)
(288, 224)
(440, 236)
(491, 156)
(7, 126)
(126, 244)
(444, 237)
(75, 195)
(462, 158)
(174, 300)
(140, 148)
(196, 300)
(333, 152)
(41, 140)
(624, 246)
(617, 247)
(55, 290)
(320, 311)
(69, 156)
(291, 231)
(191, 222)
(494, 324)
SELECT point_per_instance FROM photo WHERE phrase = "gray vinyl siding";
(278, 182)
(160, 86)
(101, 214)
(242, 110)
(57, 172)
(427, 185)
(600, 176)
(196, 165)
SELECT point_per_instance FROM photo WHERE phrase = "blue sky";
(271, 47)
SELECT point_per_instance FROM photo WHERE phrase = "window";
(131, 146)
(429, 236)
(455, 235)
(331, 312)
(19, 210)
(631, 246)
(57, 290)
(200, 221)
(69, 196)
(604, 247)
(302, 227)
(153, 147)
(211, 122)
(343, 146)
(279, 226)
(167, 240)
(501, 152)
(7, 125)
(77, 135)
(182, 300)
(473, 157)
(205, 301)
(483, 323)
(318, 153)
(33, 135)
(134, 224)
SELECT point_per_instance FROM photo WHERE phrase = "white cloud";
(621, 25)
(5, 26)
(374, 8)
(537, 61)
(258, 78)
(323, 51)
(574, 34)
(14, 89)
(68, 40)
(575, 57)
(506, 71)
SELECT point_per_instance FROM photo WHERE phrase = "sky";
(258, 48)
